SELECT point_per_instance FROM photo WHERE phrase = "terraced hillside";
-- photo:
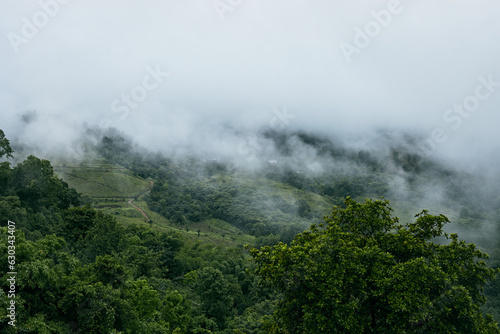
(117, 191)
(102, 181)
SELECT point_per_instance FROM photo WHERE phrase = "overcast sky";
(164, 70)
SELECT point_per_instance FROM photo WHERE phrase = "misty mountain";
(152, 141)
(310, 164)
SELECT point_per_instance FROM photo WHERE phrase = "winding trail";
(138, 208)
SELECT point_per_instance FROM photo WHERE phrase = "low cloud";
(237, 71)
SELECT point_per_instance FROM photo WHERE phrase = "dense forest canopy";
(249, 167)
(90, 263)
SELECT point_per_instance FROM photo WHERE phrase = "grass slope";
(111, 187)
(102, 181)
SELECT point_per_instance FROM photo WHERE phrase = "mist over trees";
(167, 167)
(84, 271)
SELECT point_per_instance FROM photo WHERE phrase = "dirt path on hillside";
(138, 208)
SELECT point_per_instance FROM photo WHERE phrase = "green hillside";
(101, 180)
(111, 187)
(151, 244)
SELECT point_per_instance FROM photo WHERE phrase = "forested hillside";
(91, 262)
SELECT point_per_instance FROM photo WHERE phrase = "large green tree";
(5, 149)
(364, 272)
(36, 185)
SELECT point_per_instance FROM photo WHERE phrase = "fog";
(204, 75)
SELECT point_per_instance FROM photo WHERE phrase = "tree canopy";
(82, 270)
(364, 272)
(5, 149)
